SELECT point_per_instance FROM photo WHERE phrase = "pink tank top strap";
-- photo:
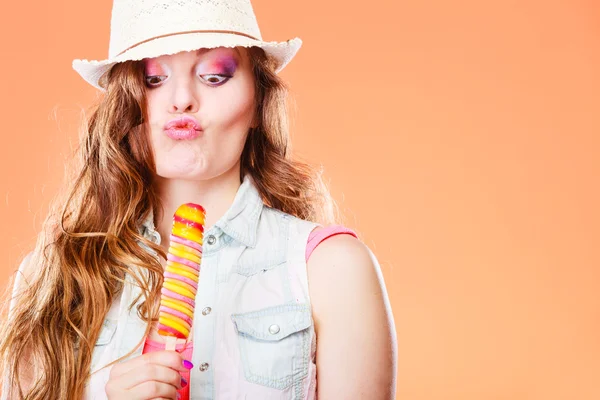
(319, 235)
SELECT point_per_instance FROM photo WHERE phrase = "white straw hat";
(150, 28)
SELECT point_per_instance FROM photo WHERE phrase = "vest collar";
(240, 221)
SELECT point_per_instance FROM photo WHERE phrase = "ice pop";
(181, 274)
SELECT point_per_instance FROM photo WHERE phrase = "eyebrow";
(201, 51)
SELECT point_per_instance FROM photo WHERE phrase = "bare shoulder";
(356, 338)
(346, 259)
(26, 270)
(336, 244)
(22, 278)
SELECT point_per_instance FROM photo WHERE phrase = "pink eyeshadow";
(223, 65)
(153, 68)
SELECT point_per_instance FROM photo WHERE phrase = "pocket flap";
(273, 323)
(106, 332)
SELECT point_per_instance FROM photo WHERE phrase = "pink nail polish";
(187, 364)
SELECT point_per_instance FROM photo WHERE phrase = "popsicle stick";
(171, 343)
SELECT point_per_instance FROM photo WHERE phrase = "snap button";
(274, 329)
(211, 239)
(203, 367)
(206, 311)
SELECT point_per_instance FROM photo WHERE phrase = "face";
(213, 91)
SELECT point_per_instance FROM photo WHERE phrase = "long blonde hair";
(89, 240)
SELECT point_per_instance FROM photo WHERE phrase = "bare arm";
(356, 337)
(22, 279)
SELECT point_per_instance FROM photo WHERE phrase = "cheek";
(238, 109)
(239, 113)
(156, 114)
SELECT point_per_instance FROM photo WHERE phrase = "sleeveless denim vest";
(253, 328)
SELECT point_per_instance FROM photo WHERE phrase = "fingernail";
(183, 382)
(178, 396)
(187, 364)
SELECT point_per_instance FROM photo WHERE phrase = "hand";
(149, 376)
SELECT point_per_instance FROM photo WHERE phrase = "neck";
(216, 196)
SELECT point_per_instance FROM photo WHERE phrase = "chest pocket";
(274, 344)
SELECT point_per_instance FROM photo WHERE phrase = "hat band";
(184, 33)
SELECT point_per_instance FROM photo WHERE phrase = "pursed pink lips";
(183, 128)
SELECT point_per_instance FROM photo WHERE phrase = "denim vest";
(253, 329)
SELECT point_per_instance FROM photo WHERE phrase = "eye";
(154, 80)
(215, 79)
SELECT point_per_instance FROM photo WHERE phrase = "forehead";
(201, 53)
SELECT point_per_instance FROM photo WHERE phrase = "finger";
(149, 373)
(151, 390)
(167, 358)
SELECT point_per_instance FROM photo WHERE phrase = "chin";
(197, 169)
(185, 166)
(182, 176)
(192, 173)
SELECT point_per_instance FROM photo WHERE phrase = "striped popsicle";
(182, 271)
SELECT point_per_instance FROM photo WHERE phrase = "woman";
(193, 111)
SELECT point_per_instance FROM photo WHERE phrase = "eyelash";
(227, 77)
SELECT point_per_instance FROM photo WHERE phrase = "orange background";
(460, 139)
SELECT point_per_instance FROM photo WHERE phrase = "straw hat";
(150, 28)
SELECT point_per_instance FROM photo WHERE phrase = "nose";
(184, 98)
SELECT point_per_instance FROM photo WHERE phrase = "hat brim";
(92, 70)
